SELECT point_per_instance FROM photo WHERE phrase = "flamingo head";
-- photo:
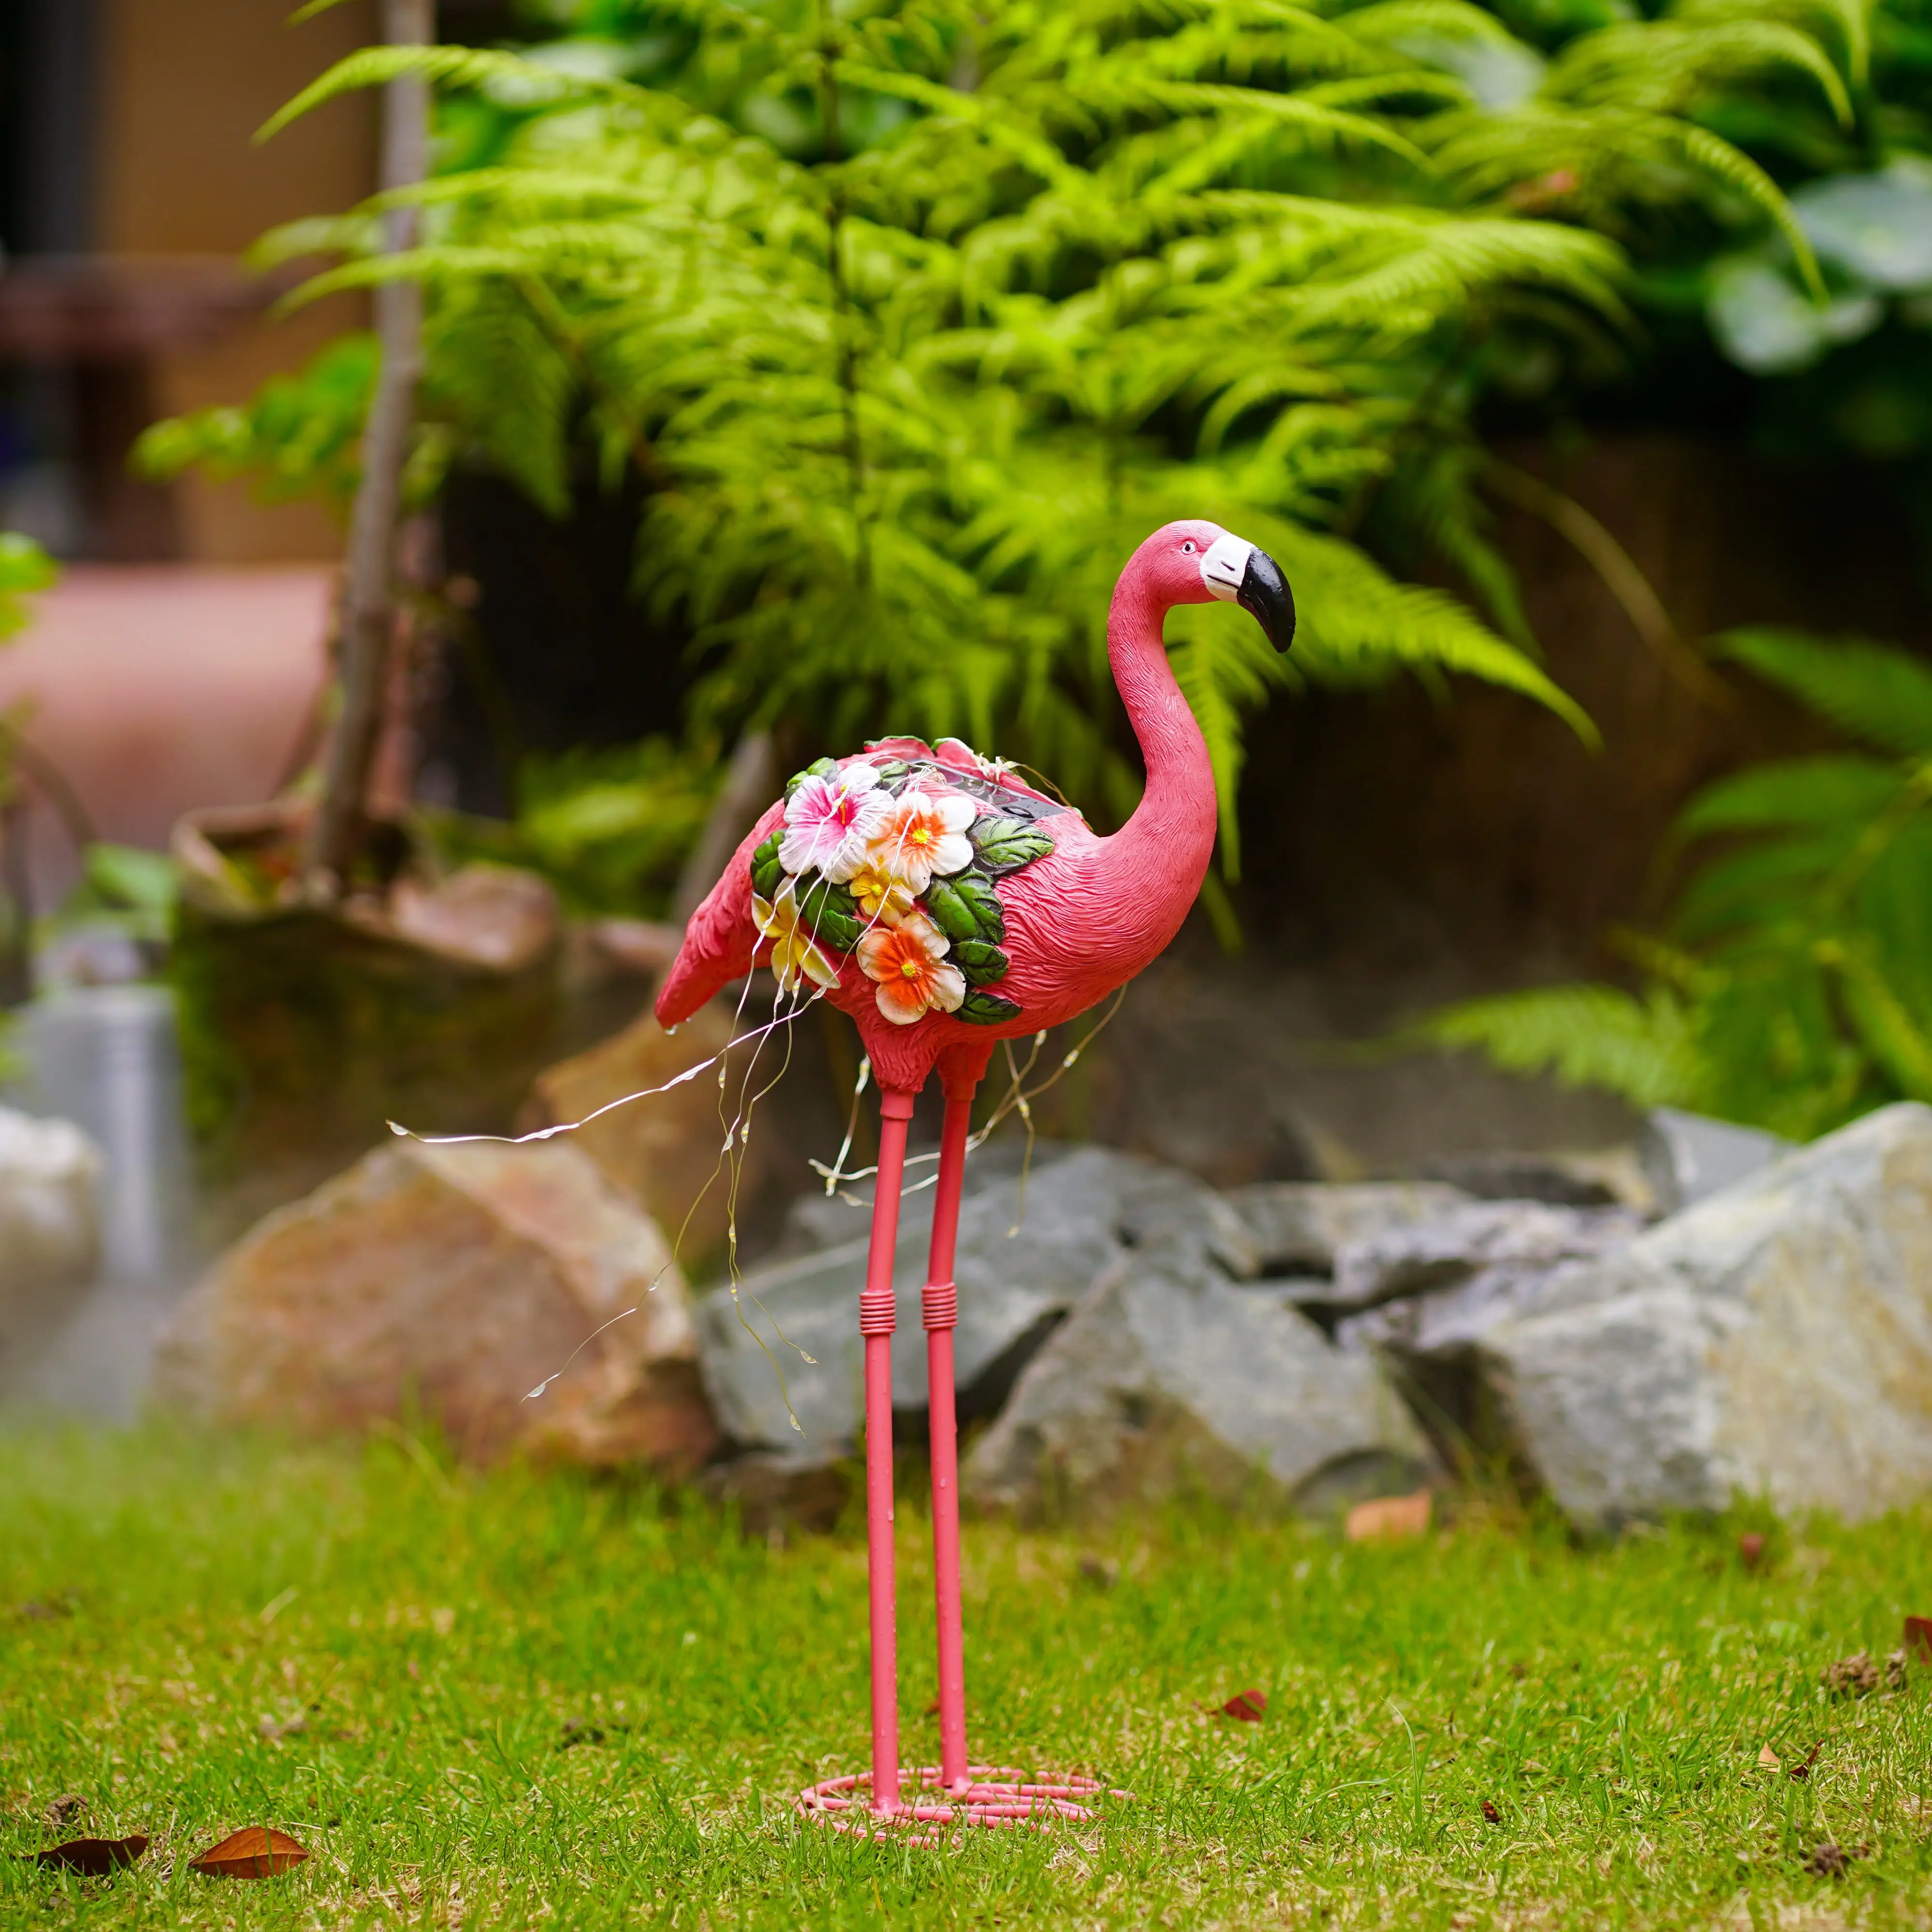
(1194, 561)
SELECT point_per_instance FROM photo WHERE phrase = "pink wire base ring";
(999, 1797)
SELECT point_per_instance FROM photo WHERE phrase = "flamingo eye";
(1187, 548)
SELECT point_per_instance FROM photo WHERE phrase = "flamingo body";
(911, 836)
(1080, 919)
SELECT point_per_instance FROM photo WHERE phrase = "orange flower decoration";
(924, 838)
(909, 962)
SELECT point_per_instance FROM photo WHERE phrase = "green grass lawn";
(439, 1632)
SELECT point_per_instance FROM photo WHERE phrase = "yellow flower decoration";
(883, 899)
(795, 954)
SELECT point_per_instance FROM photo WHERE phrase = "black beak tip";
(1265, 596)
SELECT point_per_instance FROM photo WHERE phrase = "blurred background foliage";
(892, 325)
(1792, 987)
(25, 569)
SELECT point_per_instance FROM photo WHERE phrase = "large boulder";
(1296, 1231)
(49, 1203)
(1438, 1284)
(1019, 1268)
(458, 1281)
(1774, 1339)
(1168, 1379)
(1688, 1157)
(1477, 1238)
(657, 1133)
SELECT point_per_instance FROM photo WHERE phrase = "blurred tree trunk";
(369, 602)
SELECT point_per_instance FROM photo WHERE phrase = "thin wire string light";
(734, 1149)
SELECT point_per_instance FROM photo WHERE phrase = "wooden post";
(368, 604)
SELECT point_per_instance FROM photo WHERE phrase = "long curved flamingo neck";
(1170, 837)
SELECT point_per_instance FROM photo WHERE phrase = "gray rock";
(1014, 1286)
(1562, 1179)
(1441, 1328)
(106, 1058)
(1774, 1339)
(49, 1203)
(1688, 1157)
(1297, 1227)
(817, 1220)
(1168, 1379)
(1499, 1248)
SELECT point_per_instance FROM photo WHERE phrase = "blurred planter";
(305, 1029)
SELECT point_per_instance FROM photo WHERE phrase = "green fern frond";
(1873, 692)
(1793, 794)
(1883, 1022)
(1850, 20)
(459, 68)
(1585, 1035)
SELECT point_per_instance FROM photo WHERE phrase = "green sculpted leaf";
(981, 964)
(830, 912)
(976, 889)
(981, 1008)
(964, 907)
(767, 874)
(819, 768)
(889, 775)
(1006, 844)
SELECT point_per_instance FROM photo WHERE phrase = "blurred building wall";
(181, 90)
(130, 185)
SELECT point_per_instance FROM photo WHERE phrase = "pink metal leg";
(925, 1804)
(876, 1323)
(941, 1304)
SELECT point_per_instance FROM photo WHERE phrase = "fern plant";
(1792, 987)
(912, 315)
(610, 828)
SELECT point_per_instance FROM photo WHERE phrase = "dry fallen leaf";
(1918, 1639)
(1769, 1759)
(93, 1858)
(1750, 1548)
(1246, 1707)
(1803, 1771)
(1830, 1861)
(1389, 1518)
(1490, 1812)
(255, 1852)
(1851, 1676)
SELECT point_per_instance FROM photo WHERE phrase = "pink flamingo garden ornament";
(946, 907)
